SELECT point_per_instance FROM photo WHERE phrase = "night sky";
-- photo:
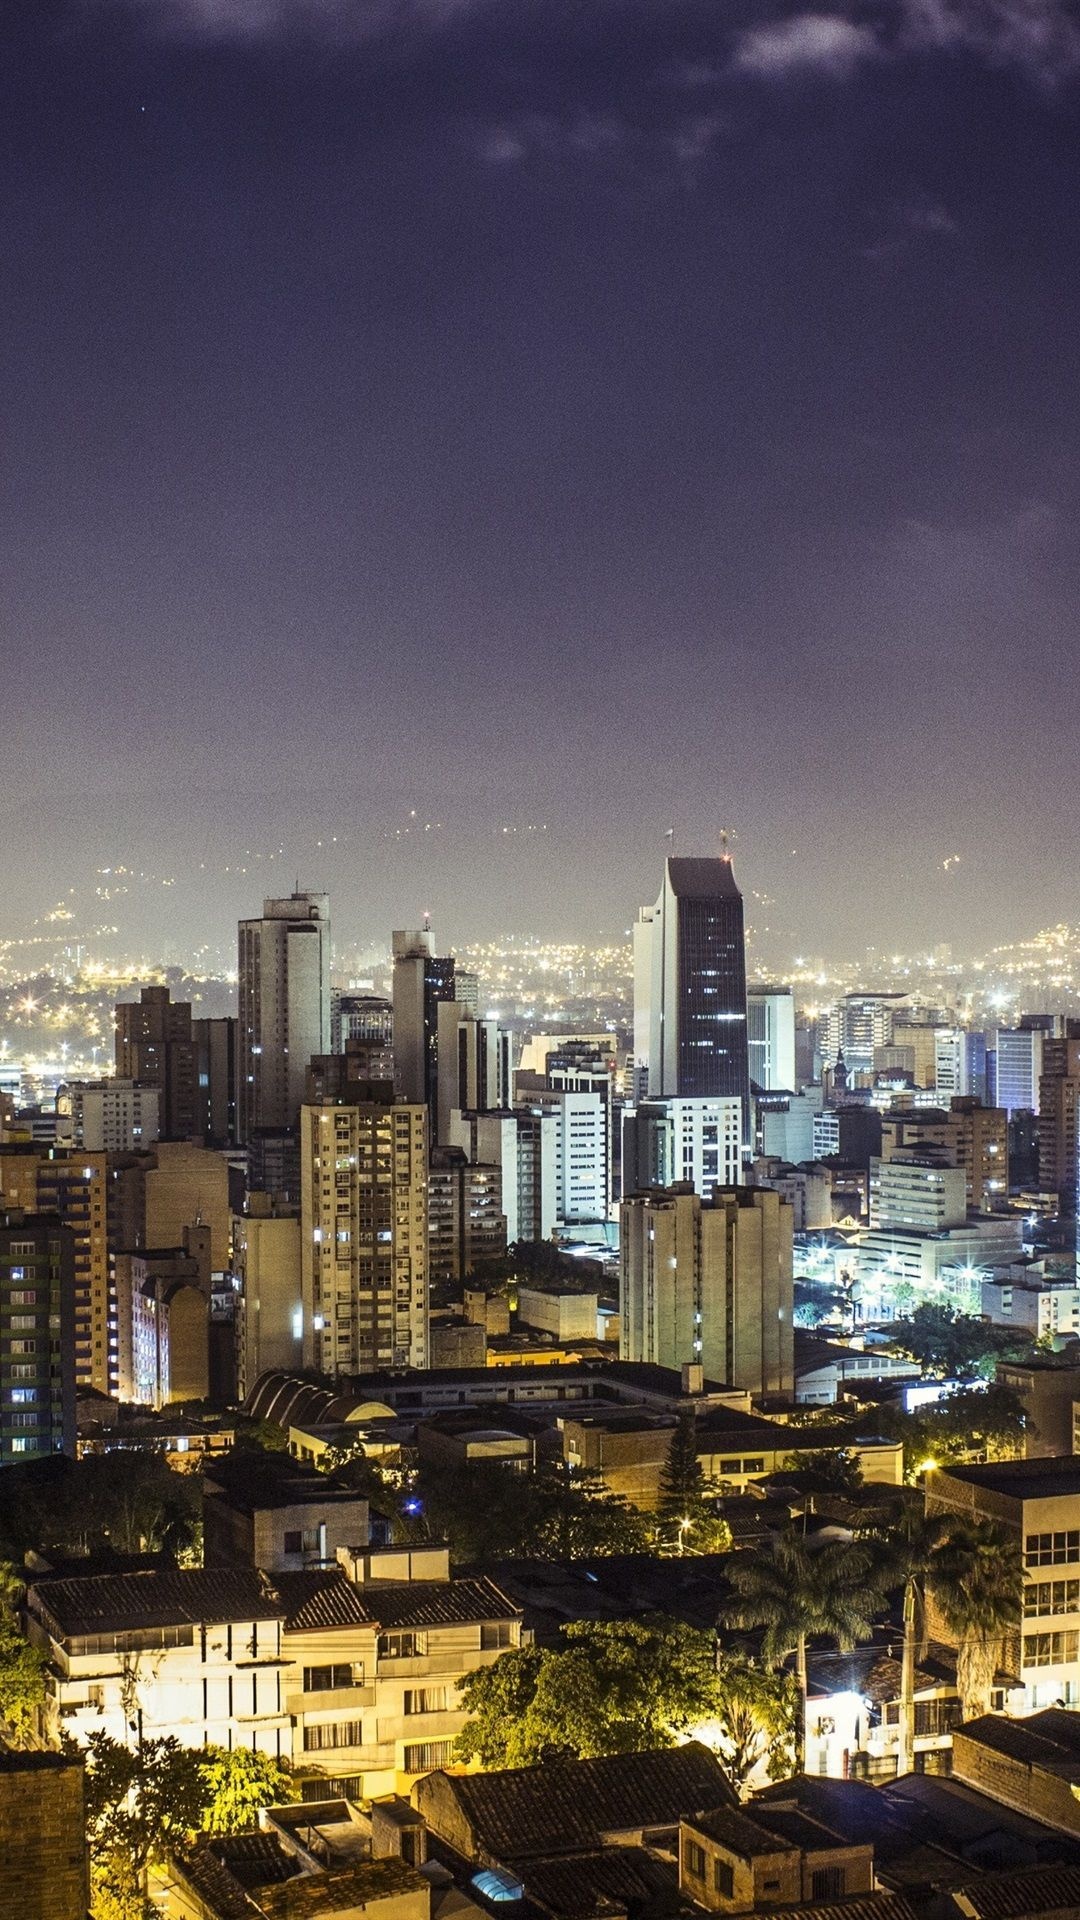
(578, 417)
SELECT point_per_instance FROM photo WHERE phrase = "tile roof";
(1049, 1740)
(440, 1603)
(592, 1883)
(1034, 1893)
(567, 1806)
(868, 1906)
(189, 1596)
(742, 1836)
(322, 1599)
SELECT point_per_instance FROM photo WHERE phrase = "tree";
(957, 1346)
(795, 1593)
(977, 1589)
(614, 1686)
(915, 1544)
(22, 1680)
(241, 1783)
(574, 1517)
(972, 1423)
(689, 1522)
(488, 1512)
(756, 1719)
(139, 1801)
(835, 1470)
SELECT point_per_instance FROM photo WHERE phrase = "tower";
(284, 975)
(690, 985)
(422, 980)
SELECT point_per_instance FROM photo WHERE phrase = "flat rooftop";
(1019, 1479)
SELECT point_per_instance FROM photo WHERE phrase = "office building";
(770, 1015)
(216, 1080)
(709, 1282)
(857, 1024)
(473, 1065)
(110, 1116)
(917, 1189)
(422, 981)
(360, 1016)
(363, 1234)
(524, 1144)
(284, 987)
(37, 1343)
(690, 986)
(960, 1064)
(582, 1151)
(155, 1047)
(690, 1141)
(1018, 1065)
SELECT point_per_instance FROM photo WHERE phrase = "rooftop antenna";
(725, 850)
(670, 838)
(427, 921)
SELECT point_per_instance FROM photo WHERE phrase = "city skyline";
(581, 420)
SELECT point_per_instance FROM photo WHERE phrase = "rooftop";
(567, 1806)
(710, 878)
(122, 1602)
(770, 1830)
(256, 1481)
(1021, 1479)
(1049, 1740)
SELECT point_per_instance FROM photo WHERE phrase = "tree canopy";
(956, 1346)
(687, 1516)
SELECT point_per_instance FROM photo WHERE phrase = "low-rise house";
(1032, 1763)
(265, 1510)
(353, 1681)
(853, 1710)
(743, 1861)
(260, 1876)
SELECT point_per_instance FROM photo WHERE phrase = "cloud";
(1042, 37)
(907, 222)
(262, 20)
(821, 43)
(688, 142)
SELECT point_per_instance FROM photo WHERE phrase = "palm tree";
(797, 1593)
(977, 1587)
(916, 1547)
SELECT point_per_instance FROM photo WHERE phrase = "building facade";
(690, 985)
(284, 990)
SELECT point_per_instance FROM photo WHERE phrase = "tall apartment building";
(110, 1116)
(266, 1261)
(216, 1080)
(76, 1188)
(360, 1016)
(466, 1223)
(284, 977)
(982, 1138)
(37, 1344)
(155, 1046)
(770, 1014)
(363, 1235)
(523, 1142)
(710, 1281)
(582, 1151)
(690, 986)
(422, 980)
(474, 1065)
(1059, 1099)
(698, 1142)
(857, 1024)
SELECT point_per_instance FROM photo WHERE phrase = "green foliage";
(835, 1470)
(22, 1681)
(138, 1803)
(970, 1424)
(241, 1783)
(128, 1500)
(688, 1520)
(795, 1592)
(612, 1687)
(956, 1346)
(489, 1512)
(757, 1713)
(977, 1589)
(261, 1436)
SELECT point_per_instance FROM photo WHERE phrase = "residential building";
(690, 986)
(264, 1510)
(364, 1017)
(422, 981)
(363, 1234)
(163, 1322)
(524, 1144)
(266, 1261)
(1059, 1101)
(917, 1190)
(284, 986)
(694, 1141)
(763, 1856)
(1037, 1502)
(582, 1141)
(44, 1864)
(466, 1223)
(1047, 1390)
(109, 1116)
(808, 1190)
(37, 1329)
(350, 1674)
(857, 1024)
(286, 1870)
(78, 1189)
(709, 1281)
(770, 1017)
(155, 1047)
(1018, 1066)
(217, 1068)
(474, 1072)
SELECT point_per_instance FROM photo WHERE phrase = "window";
(694, 1859)
(327, 1679)
(496, 1633)
(1053, 1549)
(1050, 1649)
(1051, 1596)
(827, 1883)
(336, 1733)
(422, 1755)
(724, 1879)
(425, 1700)
(293, 1541)
(402, 1646)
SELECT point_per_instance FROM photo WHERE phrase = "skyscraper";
(690, 985)
(37, 1336)
(155, 1047)
(771, 1037)
(422, 980)
(284, 972)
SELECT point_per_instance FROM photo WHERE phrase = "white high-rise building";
(474, 1064)
(582, 1157)
(690, 985)
(524, 1144)
(770, 1014)
(284, 981)
(1018, 1066)
(110, 1116)
(693, 1142)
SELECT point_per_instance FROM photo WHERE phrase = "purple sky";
(561, 416)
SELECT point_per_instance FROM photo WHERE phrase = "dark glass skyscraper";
(690, 985)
